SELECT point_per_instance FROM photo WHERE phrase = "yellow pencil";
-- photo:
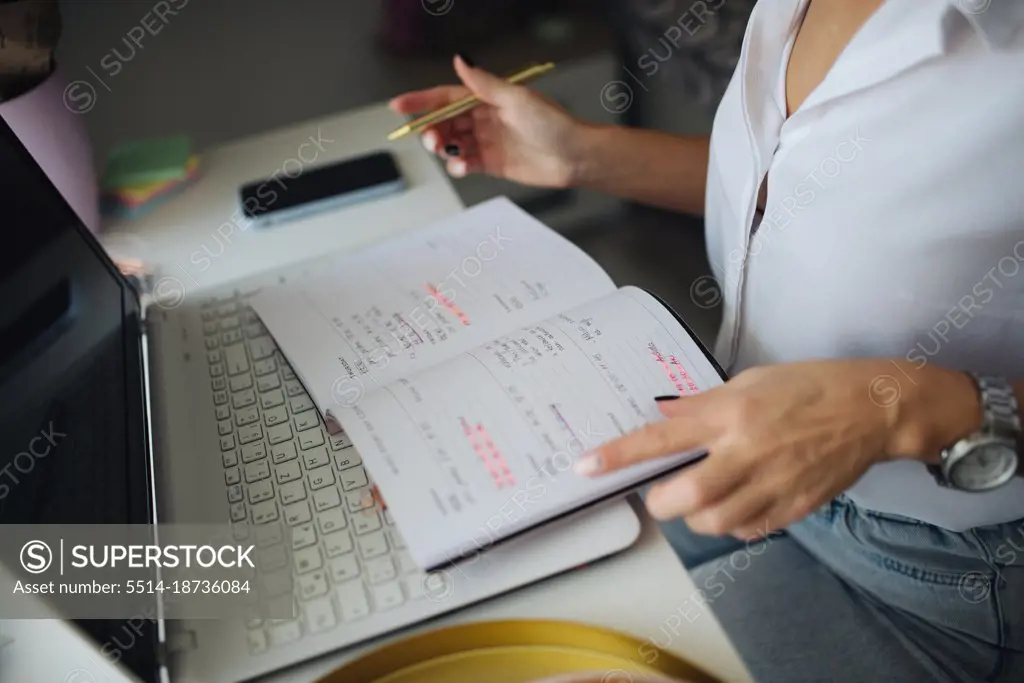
(465, 104)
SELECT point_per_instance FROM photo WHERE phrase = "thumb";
(485, 85)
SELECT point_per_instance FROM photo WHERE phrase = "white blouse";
(894, 224)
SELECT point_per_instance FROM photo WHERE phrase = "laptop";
(158, 430)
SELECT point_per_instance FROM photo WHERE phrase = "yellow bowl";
(516, 651)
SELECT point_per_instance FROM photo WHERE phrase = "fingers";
(685, 431)
(698, 488)
(421, 101)
(485, 85)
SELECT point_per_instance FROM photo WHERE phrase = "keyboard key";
(275, 416)
(243, 399)
(254, 451)
(279, 433)
(331, 520)
(319, 615)
(223, 412)
(388, 519)
(261, 347)
(224, 427)
(388, 596)
(272, 558)
(352, 600)
(276, 583)
(337, 543)
(320, 477)
(247, 416)
(232, 476)
(228, 308)
(219, 383)
(308, 559)
(227, 442)
(235, 359)
(253, 330)
(347, 458)
(381, 570)
(303, 535)
(288, 632)
(372, 545)
(288, 471)
(313, 585)
(272, 399)
(231, 337)
(340, 441)
(257, 641)
(240, 382)
(282, 452)
(359, 499)
(353, 478)
(311, 438)
(297, 513)
(230, 322)
(264, 512)
(238, 512)
(214, 356)
(292, 492)
(264, 367)
(255, 471)
(235, 493)
(268, 535)
(217, 370)
(240, 531)
(325, 499)
(261, 491)
(250, 433)
(306, 420)
(220, 398)
(210, 327)
(268, 382)
(316, 457)
(344, 568)
(300, 404)
(293, 388)
(212, 343)
(365, 521)
(230, 458)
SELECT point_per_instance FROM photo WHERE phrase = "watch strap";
(999, 409)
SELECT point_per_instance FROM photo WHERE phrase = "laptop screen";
(71, 374)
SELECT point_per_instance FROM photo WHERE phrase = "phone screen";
(312, 185)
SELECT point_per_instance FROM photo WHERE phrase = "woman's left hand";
(785, 439)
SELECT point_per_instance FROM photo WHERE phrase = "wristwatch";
(988, 458)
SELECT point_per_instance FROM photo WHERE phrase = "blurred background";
(225, 69)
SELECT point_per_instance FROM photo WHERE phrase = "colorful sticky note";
(140, 162)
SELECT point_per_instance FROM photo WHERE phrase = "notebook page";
(413, 301)
(483, 445)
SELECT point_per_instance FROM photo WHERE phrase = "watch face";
(987, 465)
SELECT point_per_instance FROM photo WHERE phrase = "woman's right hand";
(515, 133)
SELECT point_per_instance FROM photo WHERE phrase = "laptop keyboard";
(287, 478)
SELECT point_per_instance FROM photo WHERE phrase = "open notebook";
(472, 362)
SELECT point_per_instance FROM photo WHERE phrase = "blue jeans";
(853, 595)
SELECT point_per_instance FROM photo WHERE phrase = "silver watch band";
(999, 407)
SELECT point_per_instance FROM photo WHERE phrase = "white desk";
(644, 591)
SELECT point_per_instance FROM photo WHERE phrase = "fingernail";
(590, 463)
(452, 150)
(458, 168)
(430, 141)
(465, 58)
(667, 397)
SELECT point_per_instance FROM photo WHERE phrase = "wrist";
(585, 168)
(937, 408)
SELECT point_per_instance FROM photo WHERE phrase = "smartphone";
(318, 189)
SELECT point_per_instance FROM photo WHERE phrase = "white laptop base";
(237, 438)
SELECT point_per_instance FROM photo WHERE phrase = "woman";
(865, 222)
